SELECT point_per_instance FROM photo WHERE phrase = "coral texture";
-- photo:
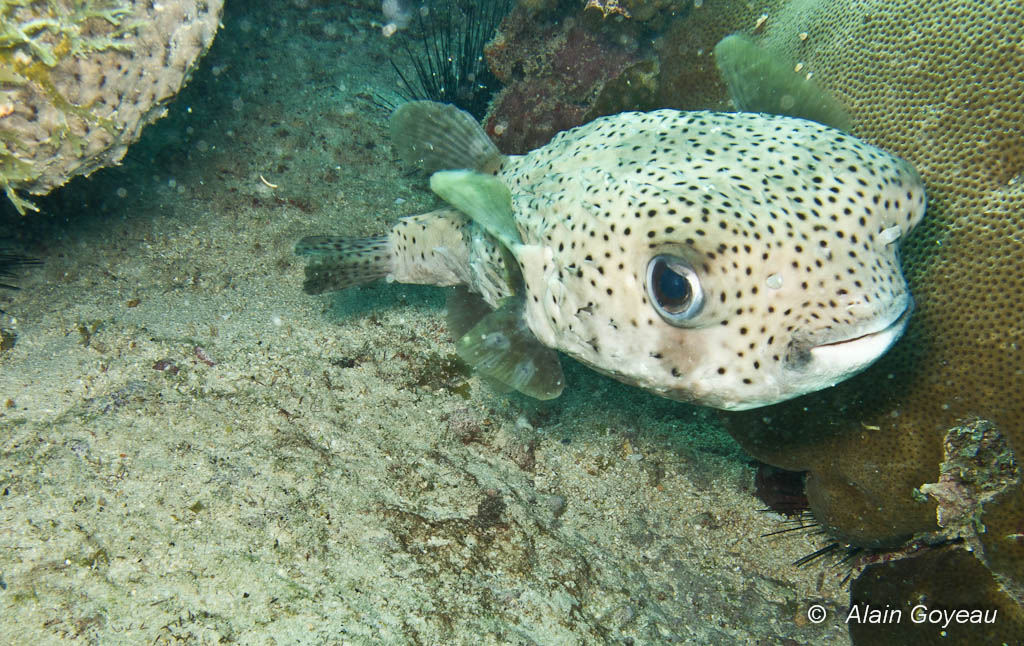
(80, 78)
(554, 76)
(910, 85)
(956, 113)
(689, 78)
(923, 585)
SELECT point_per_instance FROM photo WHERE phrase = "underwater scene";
(512, 322)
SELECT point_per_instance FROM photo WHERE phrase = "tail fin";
(337, 263)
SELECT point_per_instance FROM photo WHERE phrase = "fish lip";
(873, 344)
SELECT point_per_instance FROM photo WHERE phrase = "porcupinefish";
(733, 260)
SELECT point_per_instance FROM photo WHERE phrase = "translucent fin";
(435, 136)
(484, 198)
(758, 81)
(502, 347)
(465, 309)
(337, 263)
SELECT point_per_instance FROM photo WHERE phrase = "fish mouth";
(858, 352)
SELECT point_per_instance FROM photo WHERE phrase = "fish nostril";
(890, 235)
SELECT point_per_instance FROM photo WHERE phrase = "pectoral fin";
(484, 198)
(502, 347)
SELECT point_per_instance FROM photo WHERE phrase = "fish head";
(775, 275)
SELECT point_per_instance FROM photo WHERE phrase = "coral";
(925, 583)
(608, 8)
(955, 113)
(978, 467)
(689, 79)
(639, 10)
(80, 78)
(560, 74)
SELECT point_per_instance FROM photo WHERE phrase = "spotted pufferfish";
(732, 260)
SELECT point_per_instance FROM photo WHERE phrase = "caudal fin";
(337, 263)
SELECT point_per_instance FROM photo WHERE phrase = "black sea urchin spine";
(10, 262)
(449, 64)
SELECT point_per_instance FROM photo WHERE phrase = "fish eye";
(674, 288)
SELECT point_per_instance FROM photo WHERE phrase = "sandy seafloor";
(331, 478)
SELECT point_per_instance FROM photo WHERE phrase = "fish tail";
(338, 263)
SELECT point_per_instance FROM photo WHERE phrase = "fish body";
(733, 260)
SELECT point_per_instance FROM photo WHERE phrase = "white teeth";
(846, 358)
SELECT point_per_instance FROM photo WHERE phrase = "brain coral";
(940, 84)
(80, 78)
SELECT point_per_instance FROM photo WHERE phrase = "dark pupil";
(673, 290)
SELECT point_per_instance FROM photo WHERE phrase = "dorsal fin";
(502, 347)
(484, 198)
(435, 136)
(758, 81)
